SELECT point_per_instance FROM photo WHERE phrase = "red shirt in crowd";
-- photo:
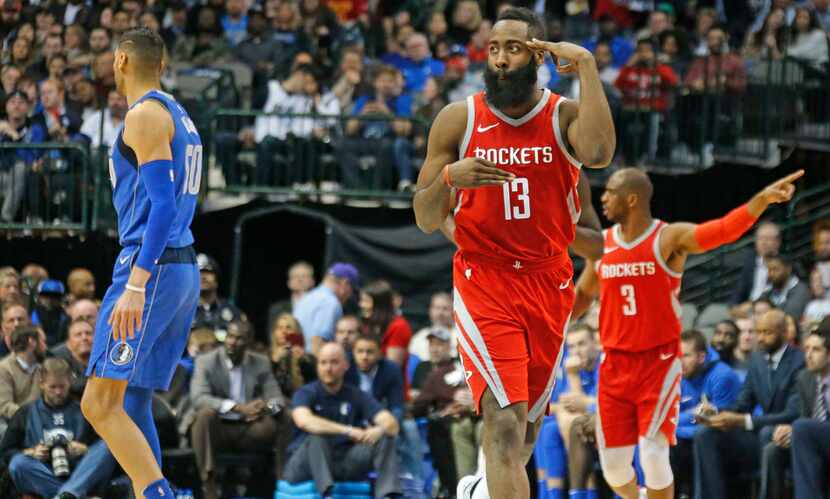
(397, 335)
(348, 10)
(647, 88)
(717, 72)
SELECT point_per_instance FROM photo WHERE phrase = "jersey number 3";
(193, 167)
(522, 209)
(630, 307)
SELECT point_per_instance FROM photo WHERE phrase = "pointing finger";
(791, 177)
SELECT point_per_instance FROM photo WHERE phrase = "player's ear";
(539, 57)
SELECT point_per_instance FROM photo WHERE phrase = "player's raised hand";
(781, 190)
(566, 55)
(477, 172)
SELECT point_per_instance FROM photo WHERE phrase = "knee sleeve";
(654, 459)
(616, 465)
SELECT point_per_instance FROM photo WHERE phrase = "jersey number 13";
(520, 210)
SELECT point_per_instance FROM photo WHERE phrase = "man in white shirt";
(753, 279)
(105, 123)
(289, 136)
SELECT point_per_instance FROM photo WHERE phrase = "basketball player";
(155, 170)
(638, 282)
(509, 159)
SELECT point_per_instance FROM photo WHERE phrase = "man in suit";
(736, 437)
(810, 438)
(238, 403)
(753, 278)
(375, 375)
(784, 289)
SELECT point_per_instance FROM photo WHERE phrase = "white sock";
(481, 491)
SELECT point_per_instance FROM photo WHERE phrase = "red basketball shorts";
(511, 317)
(638, 395)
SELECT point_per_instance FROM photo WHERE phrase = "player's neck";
(634, 227)
(138, 89)
(520, 110)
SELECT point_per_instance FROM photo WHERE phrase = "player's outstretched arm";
(687, 238)
(148, 129)
(587, 288)
(588, 124)
(442, 170)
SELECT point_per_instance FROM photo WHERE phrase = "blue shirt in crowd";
(349, 406)
(318, 312)
(717, 381)
(235, 31)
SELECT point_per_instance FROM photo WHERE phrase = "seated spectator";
(76, 351)
(705, 378)
(300, 281)
(621, 47)
(343, 433)
(213, 312)
(348, 79)
(258, 50)
(376, 376)
(14, 315)
(238, 404)
(382, 319)
(820, 259)
(725, 340)
(319, 310)
(809, 436)
(9, 75)
(647, 95)
(102, 127)
(293, 368)
(76, 42)
(100, 41)
(235, 21)
(575, 396)
(15, 164)
(18, 384)
(767, 43)
(808, 41)
(435, 354)
(346, 331)
(705, 19)
(81, 284)
(733, 439)
(54, 421)
(418, 65)
(753, 279)
(822, 10)
(286, 30)
(83, 310)
(784, 289)
(207, 45)
(465, 20)
(440, 316)
(81, 96)
(673, 52)
(385, 138)
(819, 306)
(21, 55)
(103, 74)
(435, 400)
(48, 311)
(9, 287)
(295, 139)
(747, 344)
(52, 46)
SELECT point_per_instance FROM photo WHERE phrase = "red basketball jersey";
(531, 218)
(639, 307)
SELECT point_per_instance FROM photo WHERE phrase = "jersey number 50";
(521, 211)
(193, 168)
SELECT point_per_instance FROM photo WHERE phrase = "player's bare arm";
(587, 125)
(442, 169)
(587, 289)
(681, 239)
(148, 129)
(588, 239)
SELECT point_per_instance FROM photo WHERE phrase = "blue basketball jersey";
(132, 205)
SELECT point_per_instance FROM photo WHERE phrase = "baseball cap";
(51, 287)
(207, 263)
(440, 333)
(346, 271)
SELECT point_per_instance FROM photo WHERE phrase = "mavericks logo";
(121, 354)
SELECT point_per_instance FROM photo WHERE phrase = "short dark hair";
(645, 41)
(368, 337)
(146, 45)
(730, 323)
(696, 338)
(823, 332)
(784, 259)
(21, 335)
(535, 25)
(55, 366)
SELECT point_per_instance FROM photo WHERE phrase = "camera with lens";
(58, 442)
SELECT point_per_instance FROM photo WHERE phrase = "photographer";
(50, 449)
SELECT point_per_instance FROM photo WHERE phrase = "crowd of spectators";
(359, 81)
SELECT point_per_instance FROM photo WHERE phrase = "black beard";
(514, 90)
